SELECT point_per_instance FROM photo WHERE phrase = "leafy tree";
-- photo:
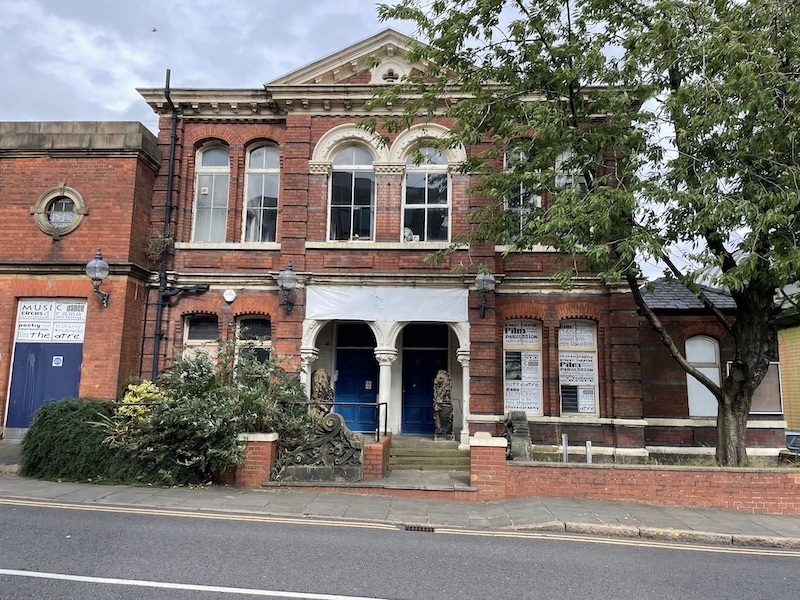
(650, 129)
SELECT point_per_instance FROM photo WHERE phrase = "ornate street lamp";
(484, 283)
(97, 270)
(287, 281)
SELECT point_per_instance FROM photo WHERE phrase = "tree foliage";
(677, 121)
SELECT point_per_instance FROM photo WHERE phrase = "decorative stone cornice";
(319, 168)
(389, 168)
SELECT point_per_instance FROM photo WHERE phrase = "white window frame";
(702, 403)
(262, 173)
(353, 170)
(566, 176)
(576, 349)
(522, 366)
(216, 173)
(192, 345)
(426, 169)
(525, 199)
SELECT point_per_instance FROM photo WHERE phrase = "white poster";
(44, 320)
(522, 386)
(575, 367)
(576, 335)
(522, 334)
(586, 400)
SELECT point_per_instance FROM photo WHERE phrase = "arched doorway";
(425, 351)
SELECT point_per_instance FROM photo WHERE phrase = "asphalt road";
(47, 551)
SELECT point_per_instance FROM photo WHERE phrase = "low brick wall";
(771, 490)
(376, 458)
(260, 454)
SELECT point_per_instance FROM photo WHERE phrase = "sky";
(82, 60)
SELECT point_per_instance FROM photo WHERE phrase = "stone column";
(463, 359)
(385, 358)
(307, 356)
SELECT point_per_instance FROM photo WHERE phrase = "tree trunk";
(732, 431)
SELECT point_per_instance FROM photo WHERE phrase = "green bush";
(186, 428)
(63, 444)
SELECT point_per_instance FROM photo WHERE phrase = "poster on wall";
(586, 400)
(522, 383)
(522, 334)
(60, 321)
(575, 367)
(580, 335)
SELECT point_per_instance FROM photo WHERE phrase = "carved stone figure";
(518, 434)
(321, 395)
(334, 453)
(443, 404)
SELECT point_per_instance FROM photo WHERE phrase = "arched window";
(702, 352)
(426, 211)
(211, 195)
(522, 199)
(201, 334)
(522, 347)
(577, 367)
(254, 337)
(352, 195)
(262, 181)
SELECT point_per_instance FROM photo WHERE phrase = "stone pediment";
(351, 65)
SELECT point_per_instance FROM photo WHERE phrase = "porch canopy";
(384, 303)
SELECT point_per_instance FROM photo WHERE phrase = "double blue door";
(41, 372)
(356, 389)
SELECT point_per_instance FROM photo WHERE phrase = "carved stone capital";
(320, 168)
(462, 356)
(385, 356)
(308, 355)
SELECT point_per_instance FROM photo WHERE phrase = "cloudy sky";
(82, 60)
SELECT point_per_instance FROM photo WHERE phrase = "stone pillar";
(385, 358)
(307, 356)
(463, 359)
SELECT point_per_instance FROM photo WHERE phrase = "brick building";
(247, 189)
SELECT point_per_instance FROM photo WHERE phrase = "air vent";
(423, 528)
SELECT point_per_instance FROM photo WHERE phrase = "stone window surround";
(45, 201)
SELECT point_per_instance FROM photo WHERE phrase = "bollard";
(588, 452)
(564, 443)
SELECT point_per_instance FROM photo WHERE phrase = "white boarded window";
(522, 356)
(577, 367)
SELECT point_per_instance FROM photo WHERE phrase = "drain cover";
(424, 528)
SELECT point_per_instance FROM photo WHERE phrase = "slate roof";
(668, 294)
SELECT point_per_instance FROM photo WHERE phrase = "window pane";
(257, 158)
(701, 350)
(340, 223)
(214, 157)
(414, 219)
(363, 188)
(205, 186)
(203, 328)
(437, 224)
(437, 188)
(61, 212)
(218, 218)
(415, 188)
(362, 222)
(252, 329)
(271, 157)
(342, 189)
(220, 195)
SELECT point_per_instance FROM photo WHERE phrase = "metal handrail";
(375, 407)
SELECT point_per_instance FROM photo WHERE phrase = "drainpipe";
(162, 271)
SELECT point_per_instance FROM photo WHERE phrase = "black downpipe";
(162, 271)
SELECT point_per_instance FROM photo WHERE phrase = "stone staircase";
(422, 453)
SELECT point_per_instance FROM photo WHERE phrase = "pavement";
(561, 515)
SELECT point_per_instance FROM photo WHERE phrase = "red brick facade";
(308, 116)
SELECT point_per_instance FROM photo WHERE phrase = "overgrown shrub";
(185, 428)
(63, 444)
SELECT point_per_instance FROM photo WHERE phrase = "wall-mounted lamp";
(97, 270)
(484, 283)
(287, 280)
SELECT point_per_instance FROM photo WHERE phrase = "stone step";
(428, 464)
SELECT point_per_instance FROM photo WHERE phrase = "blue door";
(41, 372)
(357, 383)
(419, 370)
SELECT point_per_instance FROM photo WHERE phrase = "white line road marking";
(182, 586)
